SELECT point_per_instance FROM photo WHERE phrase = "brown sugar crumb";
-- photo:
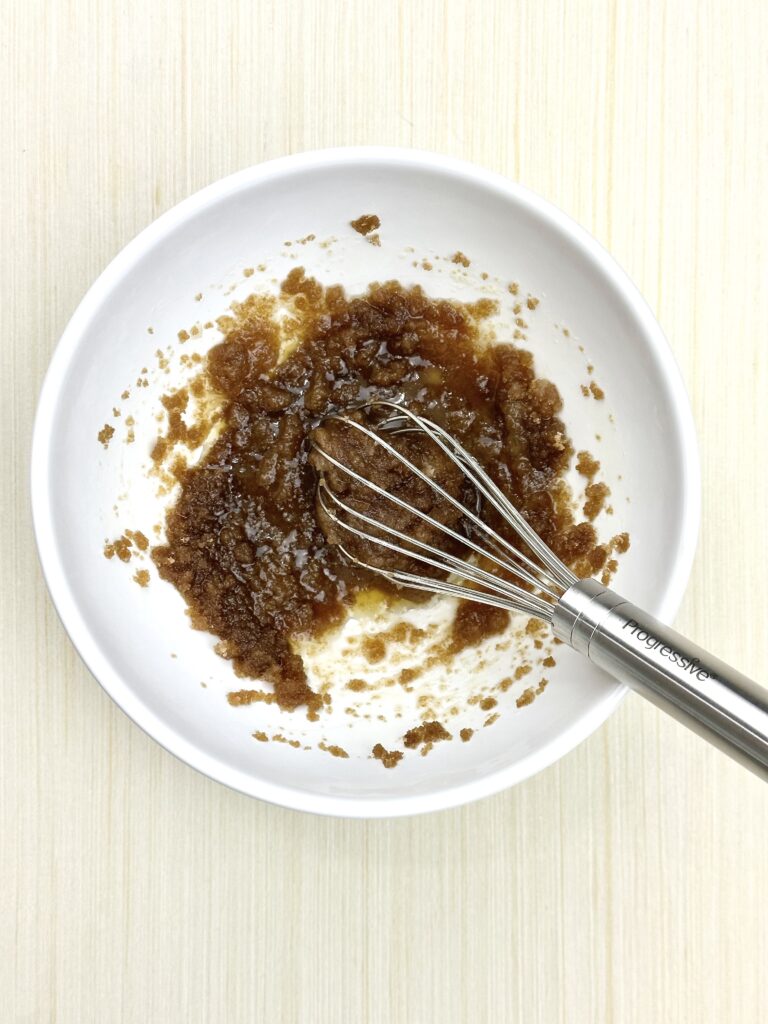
(597, 391)
(474, 623)
(358, 685)
(620, 543)
(240, 698)
(261, 736)
(121, 547)
(426, 264)
(531, 302)
(593, 562)
(490, 720)
(366, 223)
(460, 258)
(198, 297)
(483, 308)
(505, 684)
(487, 703)
(549, 662)
(596, 495)
(141, 576)
(138, 539)
(332, 749)
(513, 288)
(248, 272)
(428, 732)
(183, 336)
(389, 758)
(521, 671)
(610, 570)
(526, 697)
(279, 738)
(374, 649)
(407, 675)
(466, 735)
(584, 390)
(115, 411)
(374, 239)
(106, 434)
(586, 464)
(578, 548)
(125, 394)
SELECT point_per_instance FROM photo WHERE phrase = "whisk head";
(487, 567)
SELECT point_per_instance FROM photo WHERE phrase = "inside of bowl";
(185, 271)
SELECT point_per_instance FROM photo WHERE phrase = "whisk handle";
(698, 689)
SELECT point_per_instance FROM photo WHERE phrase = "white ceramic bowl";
(435, 205)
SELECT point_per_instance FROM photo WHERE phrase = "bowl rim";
(665, 606)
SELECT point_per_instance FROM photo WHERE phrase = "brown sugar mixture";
(244, 544)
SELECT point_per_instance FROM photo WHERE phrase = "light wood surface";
(627, 883)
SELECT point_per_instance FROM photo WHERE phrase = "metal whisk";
(696, 688)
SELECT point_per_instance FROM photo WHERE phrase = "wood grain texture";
(627, 883)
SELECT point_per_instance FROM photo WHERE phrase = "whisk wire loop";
(439, 560)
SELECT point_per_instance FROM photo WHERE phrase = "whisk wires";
(547, 576)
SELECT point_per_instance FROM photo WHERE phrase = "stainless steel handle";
(701, 691)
